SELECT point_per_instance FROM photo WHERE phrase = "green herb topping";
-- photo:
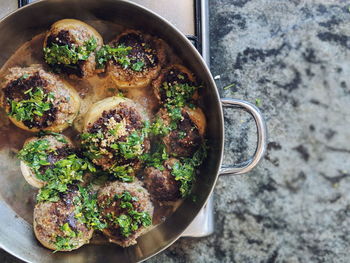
(107, 53)
(66, 242)
(87, 210)
(66, 171)
(229, 86)
(157, 157)
(34, 154)
(158, 127)
(184, 170)
(178, 94)
(258, 102)
(36, 105)
(120, 55)
(175, 97)
(57, 175)
(131, 220)
(130, 148)
(69, 54)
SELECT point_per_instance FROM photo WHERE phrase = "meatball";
(114, 136)
(49, 149)
(37, 100)
(173, 81)
(56, 226)
(187, 137)
(69, 47)
(161, 184)
(143, 62)
(128, 211)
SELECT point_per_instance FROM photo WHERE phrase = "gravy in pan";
(13, 188)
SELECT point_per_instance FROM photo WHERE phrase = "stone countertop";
(291, 58)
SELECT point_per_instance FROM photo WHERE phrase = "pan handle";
(248, 165)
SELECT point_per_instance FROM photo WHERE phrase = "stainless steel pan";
(16, 235)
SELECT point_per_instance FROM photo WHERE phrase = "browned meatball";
(127, 210)
(56, 147)
(56, 226)
(161, 183)
(114, 137)
(38, 100)
(188, 136)
(78, 37)
(143, 62)
(175, 80)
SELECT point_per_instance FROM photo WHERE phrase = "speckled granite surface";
(293, 56)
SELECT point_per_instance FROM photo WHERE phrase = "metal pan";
(16, 234)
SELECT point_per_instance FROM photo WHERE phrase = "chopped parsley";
(137, 66)
(120, 55)
(51, 192)
(122, 172)
(258, 102)
(182, 134)
(25, 76)
(157, 156)
(185, 173)
(63, 173)
(184, 170)
(91, 142)
(87, 210)
(131, 220)
(229, 86)
(129, 148)
(69, 169)
(34, 154)
(36, 105)
(178, 94)
(66, 242)
(132, 147)
(158, 127)
(57, 175)
(69, 54)
(107, 53)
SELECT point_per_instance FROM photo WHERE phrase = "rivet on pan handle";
(248, 165)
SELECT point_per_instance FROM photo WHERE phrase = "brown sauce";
(13, 188)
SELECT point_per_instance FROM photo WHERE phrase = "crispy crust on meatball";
(74, 32)
(145, 48)
(161, 184)
(144, 204)
(49, 217)
(65, 104)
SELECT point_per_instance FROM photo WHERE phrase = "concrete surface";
(293, 56)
